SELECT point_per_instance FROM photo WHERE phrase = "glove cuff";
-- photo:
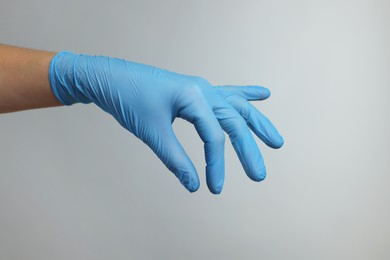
(62, 77)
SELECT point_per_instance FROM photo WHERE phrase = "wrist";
(63, 76)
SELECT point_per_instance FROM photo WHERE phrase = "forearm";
(24, 79)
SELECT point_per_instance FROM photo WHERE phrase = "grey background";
(75, 185)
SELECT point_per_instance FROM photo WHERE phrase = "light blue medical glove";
(146, 100)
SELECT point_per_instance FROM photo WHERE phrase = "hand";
(146, 100)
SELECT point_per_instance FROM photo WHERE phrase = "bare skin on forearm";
(24, 79)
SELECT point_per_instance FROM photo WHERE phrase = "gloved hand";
(146, 100)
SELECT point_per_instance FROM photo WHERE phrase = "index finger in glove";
(237, 97)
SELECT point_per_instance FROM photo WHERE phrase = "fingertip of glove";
(278, 142)
(266, 92)
(188, 180)
(259, 93)
(192, 188)
(259, 175)
(216, 190)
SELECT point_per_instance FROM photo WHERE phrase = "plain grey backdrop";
(75, 185)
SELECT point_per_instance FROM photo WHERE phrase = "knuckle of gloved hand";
(239, 123)
(244, 111)
(199, 80)
(237, 128)
(233, 99)
(218, 138)
(224, 94)
(193, 89)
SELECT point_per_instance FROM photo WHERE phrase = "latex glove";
(146, 100)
